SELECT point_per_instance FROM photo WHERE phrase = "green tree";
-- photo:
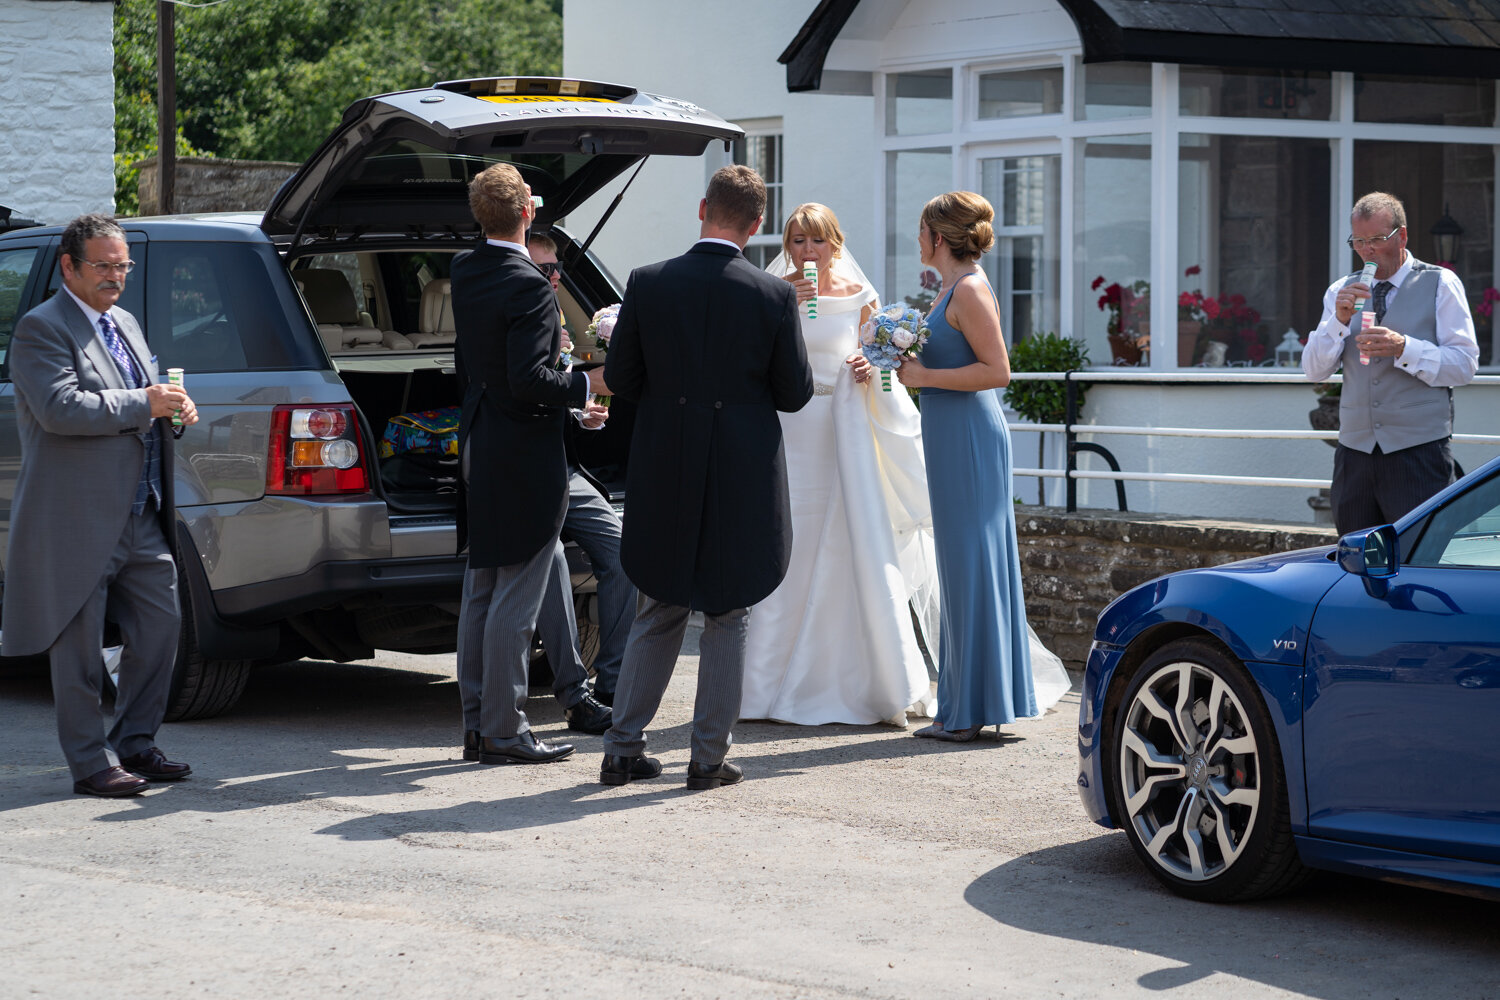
(269, 79)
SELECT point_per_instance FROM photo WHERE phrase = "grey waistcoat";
(1383, 405)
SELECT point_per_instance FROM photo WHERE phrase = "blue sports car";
(1329, 708)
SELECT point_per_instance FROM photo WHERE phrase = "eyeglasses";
(107, 267)
(1374, 242)
(550, 268)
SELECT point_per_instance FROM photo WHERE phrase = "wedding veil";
(844, 265)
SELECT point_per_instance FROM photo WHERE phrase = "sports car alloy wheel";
(1199, 777)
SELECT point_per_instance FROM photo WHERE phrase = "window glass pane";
(1252, 241)
(15, 266)
(1432, 179)
(1024, 266)
(761, 254)
(762, 153)
(222, 307)
(916, 103)
(1424, 100)
(1465, 532)
(1024, 92)
(912, 177)
(1113, 209)
(1224, 92)
(1115, 90)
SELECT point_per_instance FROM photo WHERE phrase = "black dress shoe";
(153, 765)
(110, 783)
(604, 697)
(471, 744)
(712, 775)
(617, 770)
(588, 716)
(534, 752)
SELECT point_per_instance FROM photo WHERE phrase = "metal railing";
(1070, 428)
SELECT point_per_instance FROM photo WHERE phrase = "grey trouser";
(651, 656)
(495, 622)
(138, 591)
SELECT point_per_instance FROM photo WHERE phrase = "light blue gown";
(984, 656)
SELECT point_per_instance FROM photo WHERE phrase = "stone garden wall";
(1075, 564)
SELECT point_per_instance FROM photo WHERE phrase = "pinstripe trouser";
(1380, 487)
(650, 657)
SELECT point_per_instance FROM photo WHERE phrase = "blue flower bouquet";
(890, 336)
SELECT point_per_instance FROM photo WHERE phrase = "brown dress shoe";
(153, 765)
(110, 783)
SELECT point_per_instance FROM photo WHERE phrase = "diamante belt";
(819, 389)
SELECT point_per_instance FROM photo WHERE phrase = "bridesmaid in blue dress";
(984, 657)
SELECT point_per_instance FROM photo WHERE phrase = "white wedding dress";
(835, 642)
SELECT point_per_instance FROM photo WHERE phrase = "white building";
(1211, 147)
(57, 102)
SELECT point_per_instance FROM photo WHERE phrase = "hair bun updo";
(964, 220)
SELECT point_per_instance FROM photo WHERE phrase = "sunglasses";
(550, 268)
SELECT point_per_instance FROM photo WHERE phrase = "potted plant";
(1044, 402)
(1129, 324)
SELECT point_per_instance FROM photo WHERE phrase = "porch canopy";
(1414, 37)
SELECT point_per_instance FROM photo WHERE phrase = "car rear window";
(218, 307)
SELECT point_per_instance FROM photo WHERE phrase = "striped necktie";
(116, 345)
(1381, 291)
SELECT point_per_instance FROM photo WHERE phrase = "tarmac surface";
(333, 842)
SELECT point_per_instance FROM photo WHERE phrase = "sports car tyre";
(1196, 777)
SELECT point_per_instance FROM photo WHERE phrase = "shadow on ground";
(1096, 892)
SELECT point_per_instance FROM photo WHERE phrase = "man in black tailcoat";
(515, 403)
(710, 348)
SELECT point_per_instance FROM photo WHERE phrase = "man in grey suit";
(91, 524)
(710, 347)
(1396, 408)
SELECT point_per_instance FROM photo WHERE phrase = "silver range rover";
(305, 330)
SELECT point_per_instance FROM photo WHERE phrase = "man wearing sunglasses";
(1396, 407)
(91, 527)
(592, 523)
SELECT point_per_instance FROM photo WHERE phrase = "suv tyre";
(201, 688)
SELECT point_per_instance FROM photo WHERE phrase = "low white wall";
(57, 96)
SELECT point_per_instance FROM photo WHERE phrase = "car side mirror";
(1372, 553)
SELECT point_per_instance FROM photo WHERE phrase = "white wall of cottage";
(718, 55)
(57, 103)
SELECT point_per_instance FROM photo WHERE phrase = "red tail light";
(316, 450)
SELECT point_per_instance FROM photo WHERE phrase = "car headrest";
(328, 295)
(437, 307)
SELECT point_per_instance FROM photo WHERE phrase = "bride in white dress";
(835, 642)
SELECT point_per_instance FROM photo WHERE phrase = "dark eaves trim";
(805, 55)
(1106, 40)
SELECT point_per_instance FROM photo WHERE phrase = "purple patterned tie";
(117, 350)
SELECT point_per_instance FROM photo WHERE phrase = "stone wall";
(1073, 565)
(57, 105)
(205, 184)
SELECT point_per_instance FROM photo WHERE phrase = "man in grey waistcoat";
(1396, 408)
(91, 527)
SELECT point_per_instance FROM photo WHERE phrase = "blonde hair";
(963, 219)
(1378, 203)
(817, 222)
(498, 199)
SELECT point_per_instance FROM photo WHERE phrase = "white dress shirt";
(1451, 361)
